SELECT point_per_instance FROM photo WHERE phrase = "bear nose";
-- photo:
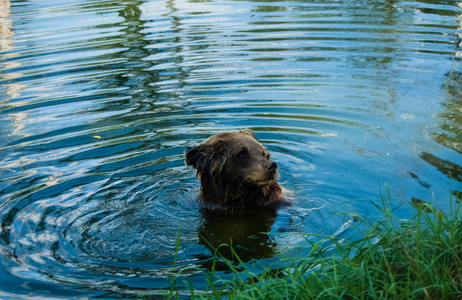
(271, 166)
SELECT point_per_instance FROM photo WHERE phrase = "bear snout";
(271, 166)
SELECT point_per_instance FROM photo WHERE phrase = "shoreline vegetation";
(388, 258)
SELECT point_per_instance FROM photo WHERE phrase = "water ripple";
(99, 100)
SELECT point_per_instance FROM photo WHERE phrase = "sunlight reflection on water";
(346, 95)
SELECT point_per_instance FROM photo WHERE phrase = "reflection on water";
(446, 167)
(249, 232)
(450, 118)
(346, 95)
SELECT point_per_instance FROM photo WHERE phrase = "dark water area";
(99, 99)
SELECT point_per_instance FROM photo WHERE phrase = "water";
(347, 95)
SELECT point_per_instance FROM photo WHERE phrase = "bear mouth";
(269, 179)
(264, 182)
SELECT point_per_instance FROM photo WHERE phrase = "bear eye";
(243, 153)
(267, 155)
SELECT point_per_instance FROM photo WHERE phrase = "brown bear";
(235, 172)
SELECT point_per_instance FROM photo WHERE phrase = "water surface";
(99, 99)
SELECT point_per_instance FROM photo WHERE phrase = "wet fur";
(235, 172)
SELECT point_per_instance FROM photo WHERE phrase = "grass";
(419, 258)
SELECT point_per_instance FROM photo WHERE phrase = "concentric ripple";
(99, 99)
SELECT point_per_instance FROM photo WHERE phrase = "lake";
(99, 100)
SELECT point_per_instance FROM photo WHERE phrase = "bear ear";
(194, 156)
(248, 132)
(206, 157)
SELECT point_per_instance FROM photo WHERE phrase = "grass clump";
(420, 258)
